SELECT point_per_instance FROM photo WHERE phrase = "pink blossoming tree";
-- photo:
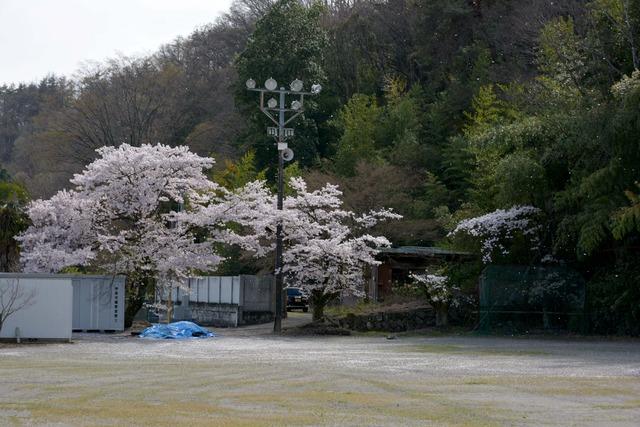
(121, 218)
(326, 248)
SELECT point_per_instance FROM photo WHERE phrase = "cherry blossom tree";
(440, 293)
(121, 217)
(326, 248)
(497, 229)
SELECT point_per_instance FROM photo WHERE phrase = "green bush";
(612, 298)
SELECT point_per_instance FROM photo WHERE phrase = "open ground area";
(247, 377)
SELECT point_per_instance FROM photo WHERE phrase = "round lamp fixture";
(296, 85)
(271, 84)
(272, 103)
(251, 84)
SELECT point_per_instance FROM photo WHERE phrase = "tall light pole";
(277, 111)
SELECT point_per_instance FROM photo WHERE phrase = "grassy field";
(263, 380)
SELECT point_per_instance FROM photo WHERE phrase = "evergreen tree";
(288, 43)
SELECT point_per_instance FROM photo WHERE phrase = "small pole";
(170, 304)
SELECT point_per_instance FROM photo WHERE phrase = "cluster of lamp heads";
(273, 104)
(295, 86)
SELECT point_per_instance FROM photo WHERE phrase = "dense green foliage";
(13, 220)
(440, 109)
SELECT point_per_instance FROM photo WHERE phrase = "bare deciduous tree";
(13, 299)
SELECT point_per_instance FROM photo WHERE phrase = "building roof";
(422, 251)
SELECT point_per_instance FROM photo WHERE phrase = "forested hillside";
(440, 109)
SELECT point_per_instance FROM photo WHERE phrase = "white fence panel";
(225, 300)
(214, 289)
(211, 289)
(225, 290)
(189, 287)
(235, 290)
(200, 292)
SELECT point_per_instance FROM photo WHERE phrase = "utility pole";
(281, 133)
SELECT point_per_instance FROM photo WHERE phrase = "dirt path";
(293, 319)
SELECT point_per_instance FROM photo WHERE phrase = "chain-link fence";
(522, 299)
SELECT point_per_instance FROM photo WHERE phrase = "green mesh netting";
(523, 299)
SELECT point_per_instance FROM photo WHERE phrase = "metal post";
(277, 325)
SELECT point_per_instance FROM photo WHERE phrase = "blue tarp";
(176, 331)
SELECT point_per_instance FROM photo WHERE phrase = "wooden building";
(398, 263)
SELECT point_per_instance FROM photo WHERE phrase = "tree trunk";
(319, 300)
(4, 258)
(169, 308)
(442, 315)
(630, 35)
(136, 291)
(546, 321)
(9, 257)
(318, 311)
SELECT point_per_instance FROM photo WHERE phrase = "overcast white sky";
(38, 37)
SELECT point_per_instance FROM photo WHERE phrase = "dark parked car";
(296, 298)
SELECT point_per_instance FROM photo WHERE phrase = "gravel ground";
(248, 377)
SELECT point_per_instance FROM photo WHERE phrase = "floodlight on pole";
(296, 85)
(271, 84)
(277, 111)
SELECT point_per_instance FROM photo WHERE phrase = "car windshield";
(294, 292)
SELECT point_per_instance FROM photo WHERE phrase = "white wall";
(51, 313)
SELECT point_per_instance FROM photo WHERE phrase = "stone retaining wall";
(220, 315)
(255, 317)
(389, 321)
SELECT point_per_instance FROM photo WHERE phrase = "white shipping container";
(98, 303)
(48, 315)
